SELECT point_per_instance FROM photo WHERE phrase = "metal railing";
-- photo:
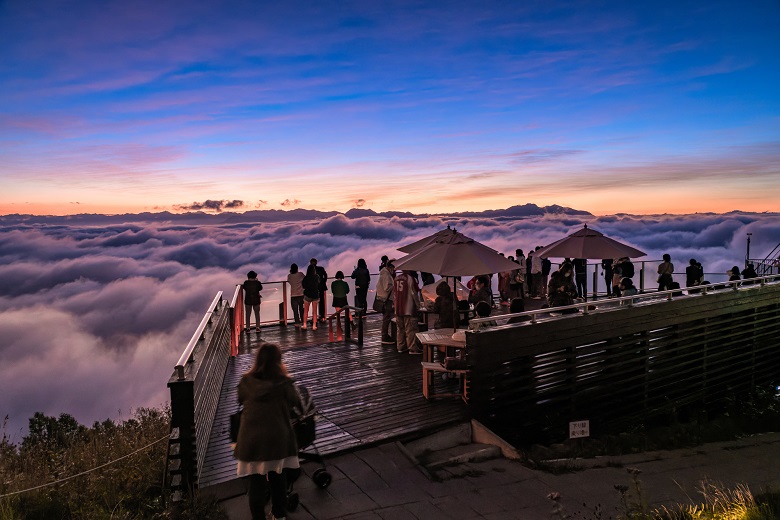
(195, 387)
(187, 355)
(278, 297)
(345, 332)
(585, 308)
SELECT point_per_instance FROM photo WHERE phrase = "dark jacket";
(445, 308)
(266, 431)
(627, 269)
(693, 275)
(362, 279)
(546, 266)
(323, 279)
(749, 272)
(311, 284)
(252, 290)
(561, 290)
(481, 295)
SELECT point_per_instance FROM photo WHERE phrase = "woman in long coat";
(266, 442)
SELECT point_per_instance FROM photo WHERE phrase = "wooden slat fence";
(626, 365)
(195, 388)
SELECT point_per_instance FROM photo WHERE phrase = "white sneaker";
(303, 326)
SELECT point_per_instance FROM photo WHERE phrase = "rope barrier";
(87, 471)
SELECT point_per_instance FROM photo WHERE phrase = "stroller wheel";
(292, 501)
(322, 478)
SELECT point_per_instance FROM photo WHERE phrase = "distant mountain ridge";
(275, 215)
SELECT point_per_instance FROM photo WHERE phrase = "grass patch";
(718, 503)
(59, 448)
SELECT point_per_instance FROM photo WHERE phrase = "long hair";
(268, 363)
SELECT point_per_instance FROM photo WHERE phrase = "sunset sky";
(639, 107)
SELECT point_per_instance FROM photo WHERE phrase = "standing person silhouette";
(665, 271)
(339, 289)
(266, 444)
(252, 299)
(362, 281)
(606, 265)
(323, 288)
(384, 293)
(295, 279)
(311, 296)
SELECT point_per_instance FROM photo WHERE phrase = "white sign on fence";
(579, 429)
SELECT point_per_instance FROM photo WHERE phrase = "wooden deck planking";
(364, 395)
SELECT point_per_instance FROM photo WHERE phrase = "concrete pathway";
(382, 484)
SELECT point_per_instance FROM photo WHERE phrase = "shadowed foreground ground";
(380, 483)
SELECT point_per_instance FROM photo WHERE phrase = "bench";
(430, 370)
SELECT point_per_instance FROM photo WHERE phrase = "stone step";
(457, 435)
(460, 454)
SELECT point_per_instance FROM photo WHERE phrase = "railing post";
(360, 315)
(284, 302)
(595, 280)
(183, 418)
(347, 326)
(642, 277)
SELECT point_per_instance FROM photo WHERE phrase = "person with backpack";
(665, 271)
(252, 299)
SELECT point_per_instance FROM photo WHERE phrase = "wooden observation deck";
(614, 362)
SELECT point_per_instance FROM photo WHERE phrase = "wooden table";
(463, 315)
(431, 341)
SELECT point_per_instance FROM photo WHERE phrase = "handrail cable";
(87, 471)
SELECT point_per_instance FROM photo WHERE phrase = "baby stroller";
(305, 433)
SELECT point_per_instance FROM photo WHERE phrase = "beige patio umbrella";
(588, 243)
(455, 254)
(419, 244)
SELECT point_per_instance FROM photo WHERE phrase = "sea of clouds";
(93, 318)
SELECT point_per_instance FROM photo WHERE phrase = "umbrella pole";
(455, 313)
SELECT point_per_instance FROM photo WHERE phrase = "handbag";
(235, 425)
(379, 305)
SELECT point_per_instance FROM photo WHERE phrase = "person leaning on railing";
(295, 279)
(362, 280)
(665, 271)
(252, 299)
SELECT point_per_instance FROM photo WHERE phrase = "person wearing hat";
(384, 292)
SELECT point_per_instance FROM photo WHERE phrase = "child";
(339, 289)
